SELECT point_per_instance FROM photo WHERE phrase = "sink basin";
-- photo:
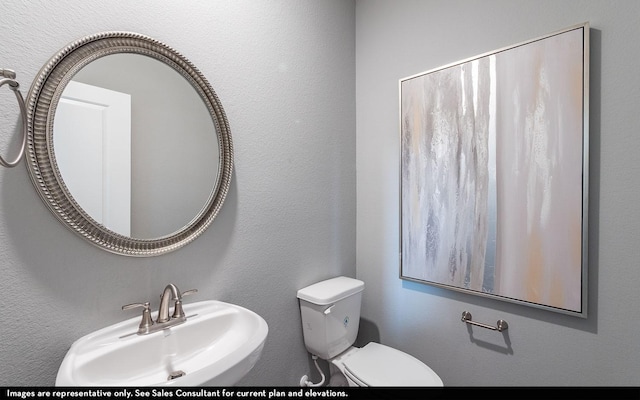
(217, 345)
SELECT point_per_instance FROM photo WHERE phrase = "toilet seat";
(379, 365)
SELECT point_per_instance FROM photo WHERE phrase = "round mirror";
(128, 144)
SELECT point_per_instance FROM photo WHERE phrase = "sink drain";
(176, 375)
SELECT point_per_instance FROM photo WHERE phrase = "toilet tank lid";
(331, 290)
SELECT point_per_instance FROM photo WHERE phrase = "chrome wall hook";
(9, 78)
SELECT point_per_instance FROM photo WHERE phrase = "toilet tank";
(330, 312)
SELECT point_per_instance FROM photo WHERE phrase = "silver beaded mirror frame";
(43, 99)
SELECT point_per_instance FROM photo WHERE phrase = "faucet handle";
(177, 307)
(146, 314)
(144, 305)
(189, 292)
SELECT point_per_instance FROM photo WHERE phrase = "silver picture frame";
(494, 174)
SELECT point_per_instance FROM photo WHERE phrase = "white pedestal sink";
(217, 345)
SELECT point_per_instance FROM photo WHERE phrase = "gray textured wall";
(284, 71)
(401, 38)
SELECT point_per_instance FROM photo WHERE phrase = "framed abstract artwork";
(494, 173)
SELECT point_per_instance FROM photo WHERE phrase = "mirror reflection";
(136, 146)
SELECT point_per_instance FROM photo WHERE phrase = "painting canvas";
(494, 173)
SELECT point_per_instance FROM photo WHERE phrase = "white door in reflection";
(92, 142)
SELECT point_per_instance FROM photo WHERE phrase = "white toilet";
(330, 313)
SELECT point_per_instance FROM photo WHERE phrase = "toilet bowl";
(379, 365)
(330, 312)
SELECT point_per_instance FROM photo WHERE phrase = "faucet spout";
(170, 292)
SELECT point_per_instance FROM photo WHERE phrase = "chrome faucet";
(163, 321)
